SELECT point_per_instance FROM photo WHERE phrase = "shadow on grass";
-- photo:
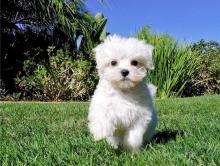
(165, 136)
(161, 137)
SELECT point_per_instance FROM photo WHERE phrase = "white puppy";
(121, 109)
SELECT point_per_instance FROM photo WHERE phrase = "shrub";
(30, 26)
(3, 91)
(207, 79)
(63, 79)
(174, 63)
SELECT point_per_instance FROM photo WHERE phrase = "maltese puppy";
(121, 109)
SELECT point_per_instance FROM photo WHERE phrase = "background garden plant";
(63, 79)
(31, 28)
(175, 64)
(206, 80)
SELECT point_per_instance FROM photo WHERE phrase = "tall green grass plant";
(175, 63)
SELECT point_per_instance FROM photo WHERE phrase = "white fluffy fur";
(121, 109)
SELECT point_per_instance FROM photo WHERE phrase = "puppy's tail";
(152, 89)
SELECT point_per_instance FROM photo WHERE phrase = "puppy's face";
(124, 72)
(123, 61)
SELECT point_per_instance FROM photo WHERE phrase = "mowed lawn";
(188, 133)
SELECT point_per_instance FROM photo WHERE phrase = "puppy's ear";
(150, 63)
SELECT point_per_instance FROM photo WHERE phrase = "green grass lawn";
(188, 133)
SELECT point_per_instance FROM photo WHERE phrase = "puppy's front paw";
(100, 132)
(100, 135)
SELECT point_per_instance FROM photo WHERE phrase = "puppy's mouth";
(125, 79)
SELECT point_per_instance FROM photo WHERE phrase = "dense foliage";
(29, 27)
(63, 79)
(206, 80)
(47, 54)
(175, 64)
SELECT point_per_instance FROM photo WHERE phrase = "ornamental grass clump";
(175, 63)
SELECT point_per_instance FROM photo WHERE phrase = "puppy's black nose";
(124, 72)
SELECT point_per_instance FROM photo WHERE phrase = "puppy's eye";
(113, 63)
(134, 63)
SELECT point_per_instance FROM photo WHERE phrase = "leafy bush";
(175, 64)
(63, 79)
(3, 91)
(29, 27)
(207, 79)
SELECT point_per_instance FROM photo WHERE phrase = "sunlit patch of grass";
(57, 133)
